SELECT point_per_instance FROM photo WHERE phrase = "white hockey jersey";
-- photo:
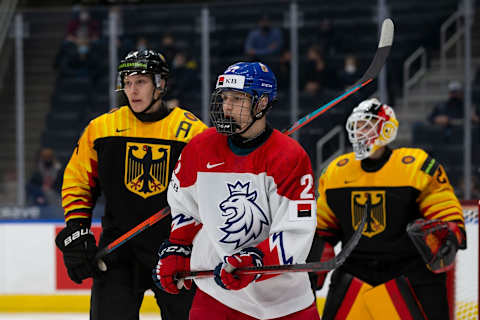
(263, 199)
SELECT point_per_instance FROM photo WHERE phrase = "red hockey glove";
(225, 276)
(437, 242)
(173, 258)
(78, 245)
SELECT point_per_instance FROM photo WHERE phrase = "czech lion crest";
(244, 219)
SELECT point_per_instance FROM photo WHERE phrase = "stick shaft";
(384, 46)
(133, 232)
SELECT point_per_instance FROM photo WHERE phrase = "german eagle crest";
(146, 168)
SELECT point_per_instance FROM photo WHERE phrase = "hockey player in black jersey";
(127, 154)
(393, 273)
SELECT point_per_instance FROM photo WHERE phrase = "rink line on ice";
(72, 303)
(59, 303)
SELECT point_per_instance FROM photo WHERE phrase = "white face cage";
(363, 131)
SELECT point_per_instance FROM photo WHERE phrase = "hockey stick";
(127, 236)
(384, 46)
(328, 265)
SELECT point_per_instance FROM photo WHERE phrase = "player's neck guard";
(372, 165)
(161, 113)
(243, 146)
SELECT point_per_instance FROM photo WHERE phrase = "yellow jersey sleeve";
(438, 200)
(79, 190)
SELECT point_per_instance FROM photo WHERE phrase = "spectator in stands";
(142, 43)
(78, 60)
(283, 72)
(182, 83)
(325, 37)
(77, 54)
(350, 73)
(44, 185)
(82, 27)
(126, 44)
(318, 75)
(264, 41)
(168, 46)
(451, 112)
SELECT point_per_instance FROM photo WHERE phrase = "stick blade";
(384, 46)
(386, 35)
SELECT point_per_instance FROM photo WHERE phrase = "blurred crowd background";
(58, 72)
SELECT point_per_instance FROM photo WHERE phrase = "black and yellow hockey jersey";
(130, 162)
(410, 185)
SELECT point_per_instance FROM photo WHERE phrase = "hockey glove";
(224, 273)
(437, 242)
(173, 258)
(78, 245)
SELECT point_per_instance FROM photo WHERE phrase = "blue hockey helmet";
(252, 78)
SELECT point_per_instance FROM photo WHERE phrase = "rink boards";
(33, 277)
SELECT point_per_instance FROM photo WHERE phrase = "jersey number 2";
(307, 181)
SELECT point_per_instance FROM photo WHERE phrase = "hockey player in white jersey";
(242, 194)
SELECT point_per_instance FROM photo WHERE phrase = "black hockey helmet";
(144, 61)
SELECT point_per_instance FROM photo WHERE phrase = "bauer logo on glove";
(76, 235)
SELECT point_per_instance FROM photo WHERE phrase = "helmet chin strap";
(257, 116)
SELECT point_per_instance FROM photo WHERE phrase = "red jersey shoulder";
(206, 137)
(290, 166)
(284, 154)
(204, 141)
(284, 149)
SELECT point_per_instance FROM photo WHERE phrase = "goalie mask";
(243, 94)
(371, 126)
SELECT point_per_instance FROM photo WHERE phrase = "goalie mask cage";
(463, 289)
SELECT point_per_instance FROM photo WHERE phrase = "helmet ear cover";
(264, 104)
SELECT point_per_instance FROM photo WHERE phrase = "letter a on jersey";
(376, 220)
(146, 168)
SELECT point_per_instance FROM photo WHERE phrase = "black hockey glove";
(437, 242)
(79, 247)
